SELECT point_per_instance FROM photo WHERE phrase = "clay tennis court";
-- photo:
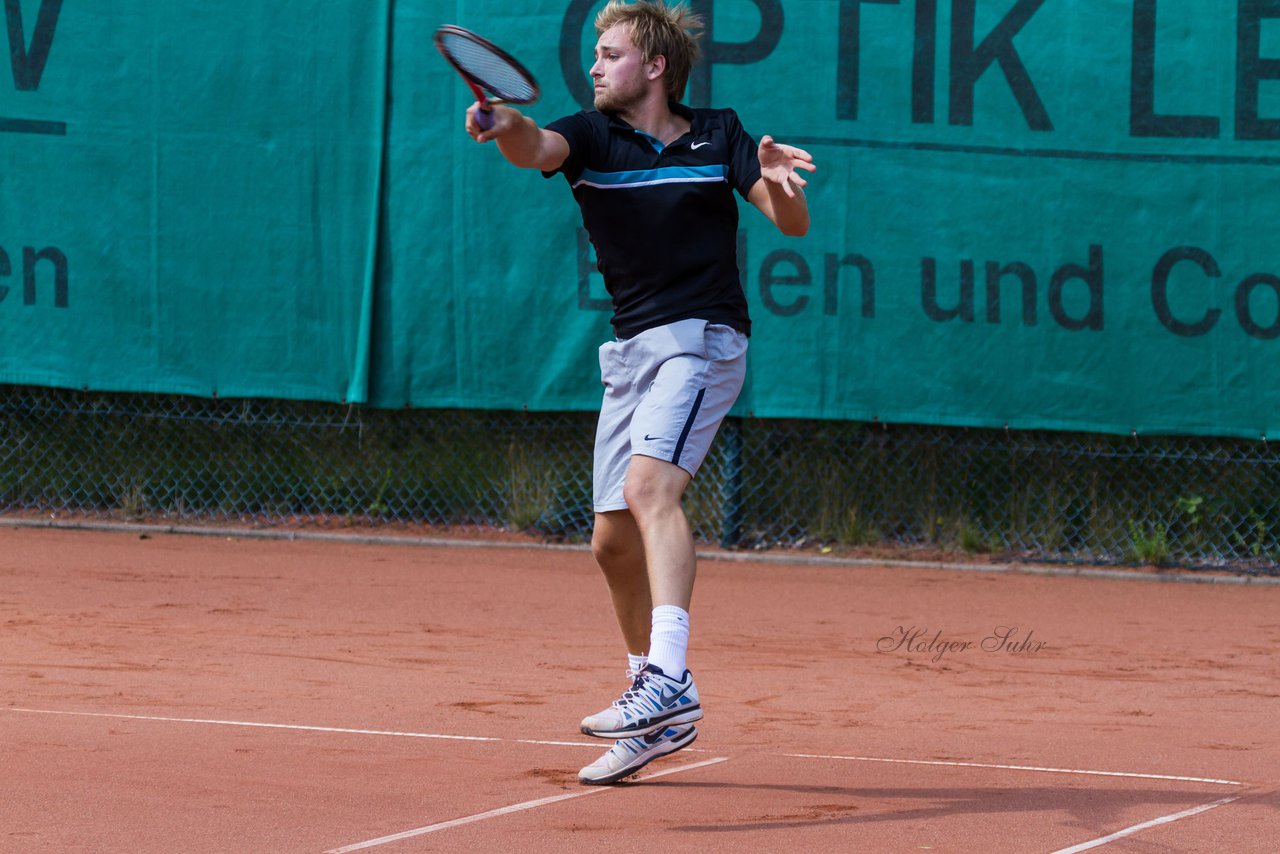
(214, 693)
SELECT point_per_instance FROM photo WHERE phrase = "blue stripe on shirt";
(649, 177)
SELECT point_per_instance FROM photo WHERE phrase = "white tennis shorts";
(665, 393)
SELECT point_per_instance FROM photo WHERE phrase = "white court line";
(1129, 831)
(594, 744)
(531, 804)
(310, 728)
(501, 811)
(1020, 768)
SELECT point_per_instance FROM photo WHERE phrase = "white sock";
(636, 663)
(669, 640)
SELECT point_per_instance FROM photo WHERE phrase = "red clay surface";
(182, 693)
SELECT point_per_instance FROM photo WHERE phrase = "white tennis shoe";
(653, 702)
(629, 755)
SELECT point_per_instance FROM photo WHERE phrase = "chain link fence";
(1046, 496)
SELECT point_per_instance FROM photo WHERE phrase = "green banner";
(1028, 213)
(1036, 214)
(189, 195)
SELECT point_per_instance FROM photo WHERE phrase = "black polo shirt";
(663, 220)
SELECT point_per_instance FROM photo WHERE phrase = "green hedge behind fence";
(838, 484)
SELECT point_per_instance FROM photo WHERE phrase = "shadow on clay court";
(1091, 808)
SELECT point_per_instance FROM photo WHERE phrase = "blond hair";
(658, 30)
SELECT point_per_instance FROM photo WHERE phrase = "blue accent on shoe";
(629, 755)
(654, 701)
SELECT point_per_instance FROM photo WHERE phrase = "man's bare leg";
(619, 550)
(653, 491)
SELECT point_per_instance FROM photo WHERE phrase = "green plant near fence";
(767, 484)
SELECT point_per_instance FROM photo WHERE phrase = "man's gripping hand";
(519, 138)
(504, 120)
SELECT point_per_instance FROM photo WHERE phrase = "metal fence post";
(731, 491)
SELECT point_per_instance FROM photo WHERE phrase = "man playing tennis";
(655, 182)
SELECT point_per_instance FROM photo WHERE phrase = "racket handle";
(484, 118)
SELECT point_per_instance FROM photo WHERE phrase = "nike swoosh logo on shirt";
(697, 145)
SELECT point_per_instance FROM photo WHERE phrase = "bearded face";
(619, 73)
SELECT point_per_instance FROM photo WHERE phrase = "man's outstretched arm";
(520, 139)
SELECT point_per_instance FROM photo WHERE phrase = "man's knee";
(653, 486)
(615, 542)
(606, 549)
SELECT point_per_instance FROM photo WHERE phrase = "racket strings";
(491, 72)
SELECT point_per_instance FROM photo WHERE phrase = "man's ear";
(657, 65)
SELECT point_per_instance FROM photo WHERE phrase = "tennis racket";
(493, 74)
